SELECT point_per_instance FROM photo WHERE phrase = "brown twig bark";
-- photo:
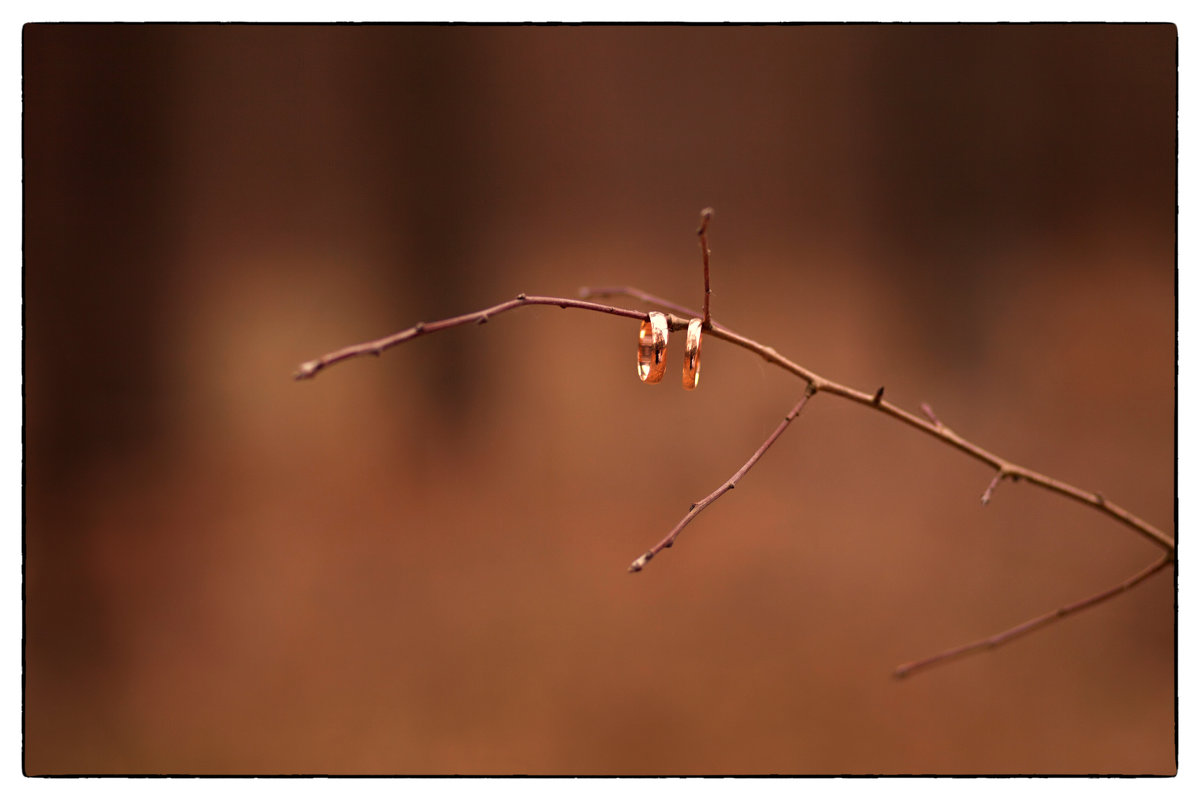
(705, 217)
(1029, 626)
(934, 428)
(375, 347)
(931, 426)
(699, 506)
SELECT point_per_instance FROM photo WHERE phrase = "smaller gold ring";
(691, 355)
(652, 348)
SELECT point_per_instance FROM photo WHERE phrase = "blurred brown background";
(417, 564)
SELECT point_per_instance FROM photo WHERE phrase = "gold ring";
(652, 348)
(691, 356)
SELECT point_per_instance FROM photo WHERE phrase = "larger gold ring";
(691, 355)
(652, 348)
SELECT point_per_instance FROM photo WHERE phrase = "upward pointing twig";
(705, 217)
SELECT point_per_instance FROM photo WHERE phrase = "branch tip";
(306, 370)
(987, 493)
(641, 561)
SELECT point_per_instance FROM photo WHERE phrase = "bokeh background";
(416, 564)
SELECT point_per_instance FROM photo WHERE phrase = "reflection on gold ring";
(691, 356)
(652, 348)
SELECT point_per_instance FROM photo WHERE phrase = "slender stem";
(375, 347)
(939, 431)
(697, 507)
(927, 410)
(629, 291)
(705, 217)
(1032, 625)
(987, 493)
(816, 383)
(931, 426)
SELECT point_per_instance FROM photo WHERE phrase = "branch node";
(1100, 499)
(483, 318)
(418, 329)
(927, 410)
(878, 398)
(521, 297)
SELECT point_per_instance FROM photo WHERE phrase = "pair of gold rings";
(652, 351)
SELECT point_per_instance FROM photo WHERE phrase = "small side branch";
(927, 410)
(696, 508)
(705, 217)
(587, 292)
(987, 493)
(1032, 625)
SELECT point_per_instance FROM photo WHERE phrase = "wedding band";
(691, 356)
(652, 348)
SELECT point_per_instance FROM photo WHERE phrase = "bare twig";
(1030, 626)
(818, 383)
(987, 493)
(694, 511)
(629, 291)
(705, 217)
(373, 348)
(927, 410)
(931, 426)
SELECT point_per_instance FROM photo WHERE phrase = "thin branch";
(374, 348)
(697, 507)
(931, 426)
(939, 431)
(1032, 625)
(628, 291)
(816, 382)
(927, 410)
(987, 493)
(705, 217)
